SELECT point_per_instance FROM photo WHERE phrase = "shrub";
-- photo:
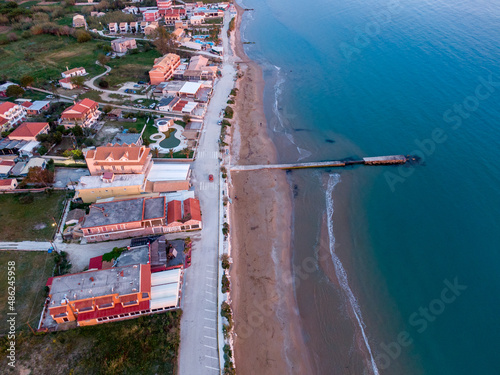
(225, 261)
(82, 36)
(103, 84)
(225, 284)
(228, 112)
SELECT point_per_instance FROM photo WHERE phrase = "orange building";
(84, 113)
(28, 131)
(183, 216)
(121, 159)
(85, 297)
(163, 68)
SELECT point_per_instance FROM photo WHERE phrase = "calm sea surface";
(419, 276)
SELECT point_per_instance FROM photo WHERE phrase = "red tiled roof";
(174, 212)
(117, 310)
(129, 298)
(26, 104)
(57, 310)
(49, 281)
(192, 207)
(5, 106)
(79, 109)
(3, 121)
(116, 152)
(8, 162)
(95, 262)
(103, 300)
(82, 304)
(145, 284)
(65, 80)
(28, 129)
(6, 182)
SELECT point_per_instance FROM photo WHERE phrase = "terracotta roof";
(7, 182)
(145, 284)
(174, 212)
(103, 300)
(79, 109)
(57, 310)
(65, 80)
(7, 162)
(5, 106)
(83, 304)
(129, 298)
(192, 207)
(73, 70)
(117, 310)
(119, 153)
(3, 121)
(26, 104)
(28, 129)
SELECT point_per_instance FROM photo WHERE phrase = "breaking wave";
(333, 180)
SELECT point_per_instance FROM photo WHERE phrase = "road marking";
(208, 337)
(210, 271)
(212, 311)
(206, 291)
(212, 368)
(211, 347)
(213, 320)
(209, 356)
(211, 286)
(212, 328)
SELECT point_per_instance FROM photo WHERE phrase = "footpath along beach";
(268, 338)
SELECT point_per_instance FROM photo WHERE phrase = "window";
(65, 320)
(122, 167)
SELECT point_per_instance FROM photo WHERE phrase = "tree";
(26, 80)
(38, 176)
(103, 84)
(163, 40)
(107, 108)
(146, 142)
(186, 118)
(82, 36)
(14, 90)
(171, 152)
(186, 152)
(77, 131)
(77, 80)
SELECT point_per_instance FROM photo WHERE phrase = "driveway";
(66, 175)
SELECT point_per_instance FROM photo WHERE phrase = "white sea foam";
(339, 269)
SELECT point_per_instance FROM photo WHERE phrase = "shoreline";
(267, 337)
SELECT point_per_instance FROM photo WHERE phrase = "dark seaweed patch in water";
(329, 141)
(414, 160)
(295, 190)
(302, 130)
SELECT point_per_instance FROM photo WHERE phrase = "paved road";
(199, 352)
(26, 245)
(90, 83)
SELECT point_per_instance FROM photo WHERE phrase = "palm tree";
(186, 152)
(171, 152)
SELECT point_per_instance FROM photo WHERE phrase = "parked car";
(141, 83)
(210, 177)
(152, 106)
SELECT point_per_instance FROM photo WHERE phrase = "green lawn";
(146, 345)
(131, 68)
(32, 269)
(19, 221)
(45, 56)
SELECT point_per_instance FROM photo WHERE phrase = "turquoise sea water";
(367, 78)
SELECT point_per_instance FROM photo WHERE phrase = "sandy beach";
(268, 338)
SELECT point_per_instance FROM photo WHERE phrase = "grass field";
(131, 68)
(147, 345)
(20, 220)
(45, 56)
(32, 269)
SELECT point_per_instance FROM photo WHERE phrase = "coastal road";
(199, 349)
